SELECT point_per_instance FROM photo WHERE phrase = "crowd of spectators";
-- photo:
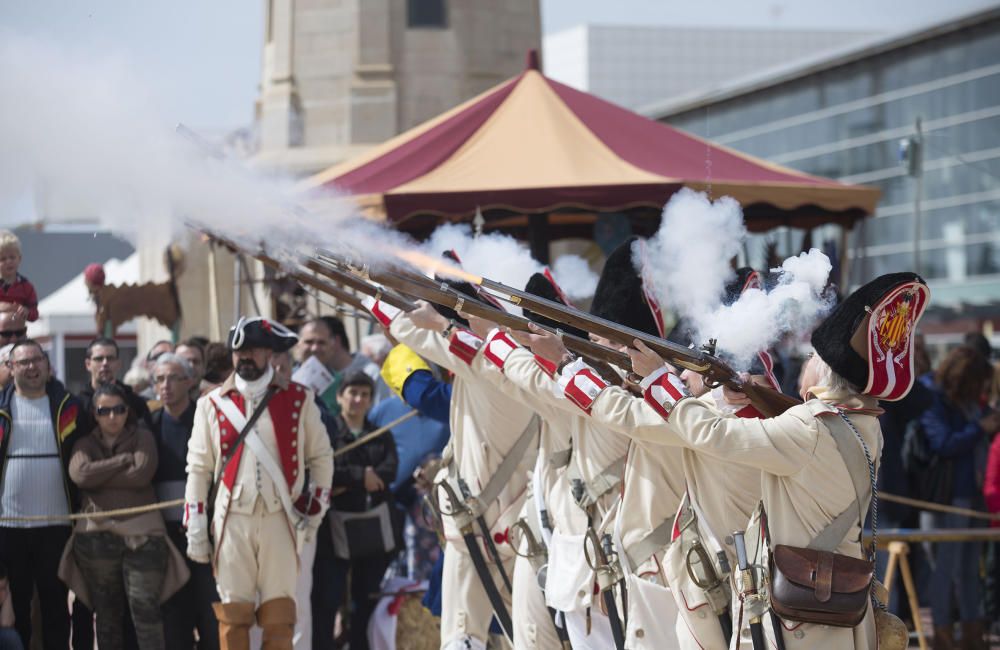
(941, 445)
(121, 442)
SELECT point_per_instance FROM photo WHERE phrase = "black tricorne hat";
(619, 296)
(545, 287)
(260, 332)
(867, 339)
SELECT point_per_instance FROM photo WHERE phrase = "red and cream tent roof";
(533, 145)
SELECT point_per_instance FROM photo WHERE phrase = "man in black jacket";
(103, 362)
(39, 424)
(364, 474)
(191, 607)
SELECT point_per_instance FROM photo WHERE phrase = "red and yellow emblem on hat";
(890, 330)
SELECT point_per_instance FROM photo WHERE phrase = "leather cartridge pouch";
(816, 586)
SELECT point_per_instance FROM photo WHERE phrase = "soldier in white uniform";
(863, 354)
(485, 425)
(262, 513)
(598, 458)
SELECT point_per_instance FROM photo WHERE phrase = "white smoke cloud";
(84, 131)
(687, 261)
(758, 319)
(504, 259)
(575, 276)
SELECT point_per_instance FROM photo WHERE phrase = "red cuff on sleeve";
(663, 393)
(464, 344)
(498, 347)
(584, 387)
(549, 367)
(382, 312)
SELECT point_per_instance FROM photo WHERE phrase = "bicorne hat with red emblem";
(261, 333)
(868, 338)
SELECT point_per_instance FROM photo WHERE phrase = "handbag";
(815, 584)
(359, 535)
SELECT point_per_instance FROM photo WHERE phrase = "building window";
(427, 13)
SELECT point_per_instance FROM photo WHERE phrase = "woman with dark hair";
(124, 561)
(956, 425)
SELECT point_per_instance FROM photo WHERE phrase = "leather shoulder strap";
(510, 463)
(853, 455)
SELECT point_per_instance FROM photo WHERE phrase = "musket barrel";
(680, 355)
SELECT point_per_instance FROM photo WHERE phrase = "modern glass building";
(917, 115)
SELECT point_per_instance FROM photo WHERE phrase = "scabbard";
(757, 635)
(492, 593)
(779, 631)
(617, 631)
(726, 623)
(491, 548)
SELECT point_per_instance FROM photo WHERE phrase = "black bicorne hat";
(619, 296)
(545, 287)
(260, 332)
(868, 338)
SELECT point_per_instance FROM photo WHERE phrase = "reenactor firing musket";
(440, 293)
(717, 372)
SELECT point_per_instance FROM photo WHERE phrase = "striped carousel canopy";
(533, 145)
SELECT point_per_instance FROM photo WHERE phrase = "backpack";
(931, 475)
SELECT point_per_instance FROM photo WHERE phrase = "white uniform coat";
(485, 424)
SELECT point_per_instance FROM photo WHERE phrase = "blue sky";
(202, 57)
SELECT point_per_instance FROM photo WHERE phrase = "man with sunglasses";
(103, 363)
(39, 424)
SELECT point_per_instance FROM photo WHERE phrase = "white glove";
(199, 548)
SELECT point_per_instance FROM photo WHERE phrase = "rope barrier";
(103, 514)
(938, 507)
(138, 510)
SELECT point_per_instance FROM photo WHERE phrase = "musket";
(750, 595)
(766, 400)
(300, 277)
(447, 296)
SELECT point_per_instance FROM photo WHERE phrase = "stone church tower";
(340, 76)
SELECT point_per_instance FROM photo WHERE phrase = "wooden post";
(538, 237)
(902, 550)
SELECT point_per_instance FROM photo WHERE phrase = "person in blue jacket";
(957, 426)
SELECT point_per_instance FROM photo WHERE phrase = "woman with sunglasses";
(125, 561)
